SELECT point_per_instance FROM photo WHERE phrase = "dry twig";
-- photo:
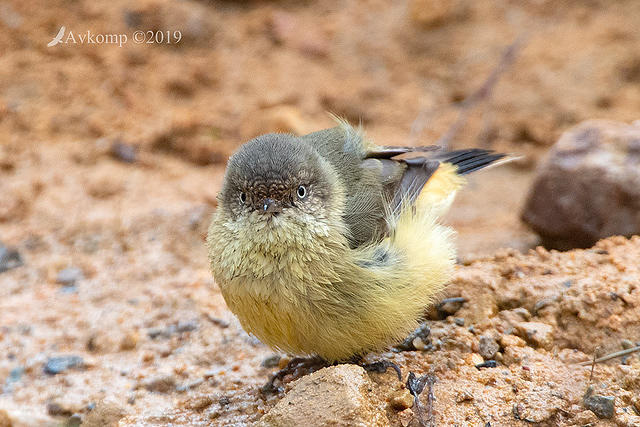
(612, 356)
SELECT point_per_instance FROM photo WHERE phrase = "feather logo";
(58, 38)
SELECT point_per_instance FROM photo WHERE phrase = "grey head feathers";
(275, 168)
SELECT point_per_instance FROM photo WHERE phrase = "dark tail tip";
(471, 160)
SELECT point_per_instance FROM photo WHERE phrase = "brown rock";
(401, 400)
(433, 13)
(105, 414)
(589, 186)
(511, 341)
(538, 334)
(5, 421)
(488, 347)
(339, 395)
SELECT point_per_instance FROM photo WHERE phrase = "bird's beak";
(271, 206)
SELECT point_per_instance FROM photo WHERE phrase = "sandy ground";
(111, 157)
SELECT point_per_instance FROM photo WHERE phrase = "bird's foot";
(416, 385)
(382, 366)
(297, 368)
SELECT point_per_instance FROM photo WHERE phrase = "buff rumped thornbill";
(329, 245)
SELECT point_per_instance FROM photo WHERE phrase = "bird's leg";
(380, 366)
(415, 385)
(297, 367)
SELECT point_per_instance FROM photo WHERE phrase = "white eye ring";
(302, 192)
(243, 197)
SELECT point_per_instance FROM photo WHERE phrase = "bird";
(330, 246)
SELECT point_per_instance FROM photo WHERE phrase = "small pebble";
(459, 321)
(602, 406)
(5, 420)
(271, 361)
(57, 410)
(464, 396)
(124, 152)
(159, 384)
(401, 400)
(9, 258)
(186, 326)
(74, 420)
(56, 365)
(69, 276)
(129, 341)
(190, 385)
(488, 347)
(418, 344)
(627, 344)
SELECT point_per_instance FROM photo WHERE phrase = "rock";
(159, 384)
(5, 420)
(433, 13)
(74, 420)
(488, 347)
(69, 276)
(9, 258)
(56, 365)
(129, 341)
(536, 333)
(106, 413)
(511, 341)
(589, 186)
(338, 395)
(271, 361)
(401, 400)
(55, 410)
(602, 406)
(123, 152)
(103, 184)
(464, 396)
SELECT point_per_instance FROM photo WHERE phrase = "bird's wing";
(434, 178)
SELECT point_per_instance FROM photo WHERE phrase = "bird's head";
(275, 180)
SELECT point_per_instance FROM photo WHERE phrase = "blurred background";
(111, 154)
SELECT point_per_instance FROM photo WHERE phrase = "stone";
(5, 420)
(159, 384)
(9, 258)
(69, 276)
(56, 365)
(433, 13)
(588, 188)
(536, 333)
(124, 152)
(401, 400)
(602, 406)
(488, 347)
(338, 395)
(106, 413)
(511, 341)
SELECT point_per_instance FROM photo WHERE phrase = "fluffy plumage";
(351, 266)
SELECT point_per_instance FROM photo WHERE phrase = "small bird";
(328, 245)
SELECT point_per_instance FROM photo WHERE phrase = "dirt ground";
(111, 158)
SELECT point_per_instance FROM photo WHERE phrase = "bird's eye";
(243, 197)
(302, 192)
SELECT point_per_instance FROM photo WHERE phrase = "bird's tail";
(441, 186)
